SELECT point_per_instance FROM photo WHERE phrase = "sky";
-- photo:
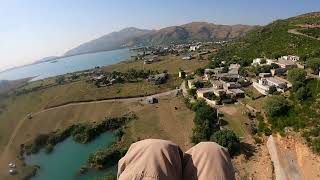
(33, 29)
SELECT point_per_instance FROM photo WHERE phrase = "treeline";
(207, 127)
(81, 133)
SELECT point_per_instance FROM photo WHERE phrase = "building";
(263, 75)
(188, 57)
(286, 64)
(234, 68)
(182, 74)
(278, 71)
(217, 84)
(291, 58)
(263, 85)
(262, 61)
(158, 78)
(190, 83)
(194, 48)
(237, 93)
(151, 100)
(151, 59)
(231, 85)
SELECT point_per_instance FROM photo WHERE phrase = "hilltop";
(282, 37)
(199, 31)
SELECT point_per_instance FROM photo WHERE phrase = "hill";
(129, 37)
(281, 37)
(112, 41)
(195, 31)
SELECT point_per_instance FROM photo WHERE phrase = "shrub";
(296, 75)
(227, 139)
(276, 106)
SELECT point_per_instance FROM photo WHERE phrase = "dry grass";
(154, 121)
(170, 63)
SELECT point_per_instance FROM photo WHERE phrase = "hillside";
(129, 37)
(199, 31)
(114, 40)
(281, 37)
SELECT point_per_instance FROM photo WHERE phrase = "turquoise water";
(66, 65)
(67, 158)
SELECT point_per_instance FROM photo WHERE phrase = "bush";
(302, 94)
(272, 90)
(296, 75)
(314, 64)
(276, 106)
(192, 91)
(227, 139)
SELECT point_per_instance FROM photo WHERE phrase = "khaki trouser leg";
(163, 160)
(207, 161)
(151, 159)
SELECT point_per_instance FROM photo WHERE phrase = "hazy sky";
(32, 29)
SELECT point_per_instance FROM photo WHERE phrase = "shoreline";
(54, 59)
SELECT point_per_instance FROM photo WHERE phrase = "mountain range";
(129, 37)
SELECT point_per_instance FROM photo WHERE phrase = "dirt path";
(5, 155)
(295, 31)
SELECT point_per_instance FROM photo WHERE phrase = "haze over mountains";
(128, 37)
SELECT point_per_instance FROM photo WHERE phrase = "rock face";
(128, 37)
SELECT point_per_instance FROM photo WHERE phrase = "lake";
(66, 65)
(67, 158)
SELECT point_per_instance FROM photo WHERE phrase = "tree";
(199, 71)
(302, 94)
(227, 139)
(276, 106)
(206, 123)
(198, 84)
(314, 64)
(60, 80)
(296, 75)
(192, 91)
(272, 90)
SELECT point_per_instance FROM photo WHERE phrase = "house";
(194, 48)
(237, 92)
(188, 57)
(262, 61)
(217, 84)
(201, 94)
(285, 64)
(263, 85)
(231, 85)
(263, 75)
(234, 68)
(291, 58)
(208, 73)
(278, 71)
(202, 91)
(182, 74)
(158, 78)
(151, 100)
(190, 83)
(152, 59)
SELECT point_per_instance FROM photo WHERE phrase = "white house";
(194, 48)
(259, 62)
(286, 64)
(263, 85)
(234, 68)
(291, 58)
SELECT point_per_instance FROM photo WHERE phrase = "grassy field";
(156, 121)
(170, 63)
(236, 119)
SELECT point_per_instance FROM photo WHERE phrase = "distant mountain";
(112, 41)
(200, 31)
(195, 31)
(50, 58)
